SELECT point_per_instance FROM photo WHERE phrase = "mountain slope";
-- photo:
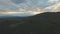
(45, 23)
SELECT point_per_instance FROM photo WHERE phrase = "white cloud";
(29, 8)
(21, 12)
(7, 4)
(53, 8)
(53, 1)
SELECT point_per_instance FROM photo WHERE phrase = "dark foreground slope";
(45, 23)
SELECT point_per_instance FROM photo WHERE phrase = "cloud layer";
(26, 7)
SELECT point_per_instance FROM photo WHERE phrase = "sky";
(26, 5)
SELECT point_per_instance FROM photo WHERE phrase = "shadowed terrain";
(44, 23)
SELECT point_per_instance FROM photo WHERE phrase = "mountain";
(48, 22)
(45, 23)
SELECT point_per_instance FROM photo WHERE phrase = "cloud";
(53, 8)
(27, 4)
(28, 8)
(53, 1)
(31, 7)
(18, 1)
(7, 4)
(21, 12)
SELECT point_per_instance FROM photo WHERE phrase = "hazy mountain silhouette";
(44, 23)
